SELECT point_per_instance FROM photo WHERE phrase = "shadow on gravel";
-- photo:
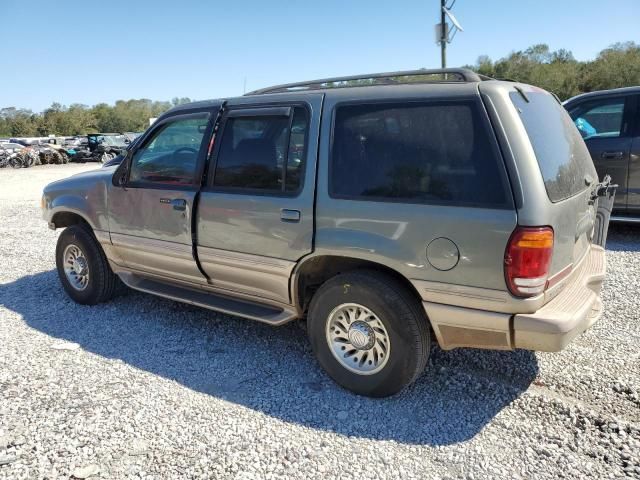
(272, 370)
(623, 237)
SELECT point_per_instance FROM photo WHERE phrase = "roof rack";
(388, 78)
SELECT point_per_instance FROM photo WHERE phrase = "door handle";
(287, 215)
(612, 155)
(179, 204)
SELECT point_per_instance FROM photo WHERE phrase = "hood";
(82, 180)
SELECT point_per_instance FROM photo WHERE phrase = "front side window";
(599, 118)
(265, 153)
(171, 156)
(415, 153)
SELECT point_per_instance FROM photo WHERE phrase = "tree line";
(78, 119)
(556, 71)
(559, 72)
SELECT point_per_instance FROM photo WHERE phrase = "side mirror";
(119, 178)
(123, 178)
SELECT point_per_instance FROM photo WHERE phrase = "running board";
(621, 218)
(212, 301)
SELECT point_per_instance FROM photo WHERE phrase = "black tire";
(16, 161)
(102, 281)
(400, 313)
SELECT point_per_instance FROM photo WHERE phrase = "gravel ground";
(143, 387)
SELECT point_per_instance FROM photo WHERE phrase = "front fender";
(84, 195)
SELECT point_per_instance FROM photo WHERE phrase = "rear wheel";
(369, 333)
(82, 266)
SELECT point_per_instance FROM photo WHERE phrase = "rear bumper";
(573, 310)
(569, 314)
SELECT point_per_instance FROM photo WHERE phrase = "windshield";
(112, 140)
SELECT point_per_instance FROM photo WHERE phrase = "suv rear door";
(605, 125)
(255, 213)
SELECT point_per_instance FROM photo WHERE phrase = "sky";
(74, 51)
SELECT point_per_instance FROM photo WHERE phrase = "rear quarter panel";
(566, 217)
(397, 234)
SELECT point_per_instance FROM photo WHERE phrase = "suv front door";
(255, 214)
(605, 124)
(150, 216)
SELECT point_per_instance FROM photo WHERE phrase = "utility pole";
(443, 33)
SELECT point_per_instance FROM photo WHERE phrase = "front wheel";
(83, 268)
(369, 333)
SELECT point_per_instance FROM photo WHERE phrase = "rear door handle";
(612, 155)
(287, 215)
(179, 204)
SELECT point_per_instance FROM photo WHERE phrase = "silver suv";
(384, 209)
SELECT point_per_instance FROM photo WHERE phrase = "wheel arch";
(67, 218)
(311, 273)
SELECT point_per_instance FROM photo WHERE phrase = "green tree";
(559, 72)
(616, 66)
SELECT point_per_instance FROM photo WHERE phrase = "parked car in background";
(75, 142)
(27, 141)
(609, 122)
(424, 203)
(10, 155)
(100, 147)
(131, 136)
(11, 147)
(17, 156)
(118, 158)
(50, 153)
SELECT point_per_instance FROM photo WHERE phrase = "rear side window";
(562, 156)
(264, 153)
(416, 153)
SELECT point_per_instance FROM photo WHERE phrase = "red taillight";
(527, 260)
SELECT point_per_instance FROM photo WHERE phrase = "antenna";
(445, 34)
(453, 19)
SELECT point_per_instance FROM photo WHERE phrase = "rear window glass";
(562, 156)
(415, 153)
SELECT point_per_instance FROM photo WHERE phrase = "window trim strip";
(151, 134)
(209, 186)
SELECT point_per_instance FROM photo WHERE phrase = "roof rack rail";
(462, 74)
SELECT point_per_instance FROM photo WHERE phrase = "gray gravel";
(147, 388)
